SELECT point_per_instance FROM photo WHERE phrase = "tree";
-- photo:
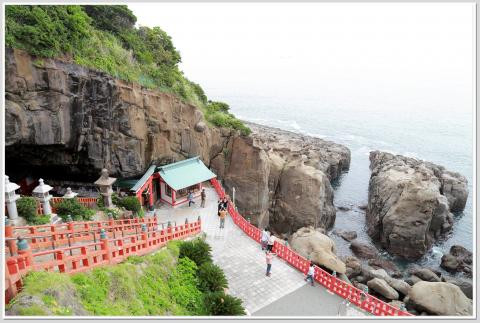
(114, 19)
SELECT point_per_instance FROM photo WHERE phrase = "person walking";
(268, 258)
(204, 198)
(190, 199)
(225, 203)
(271, 241)
(220, 206)
(223, 215)
(310, 273)
(264, 238)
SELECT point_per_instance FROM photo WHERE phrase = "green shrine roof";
(185, 173)
(144, 178)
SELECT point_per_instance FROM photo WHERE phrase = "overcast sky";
(367, 48)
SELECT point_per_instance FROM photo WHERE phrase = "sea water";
(439, 133)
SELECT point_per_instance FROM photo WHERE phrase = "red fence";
(85, 257)
(44, 236)
(351, 293)
(89, 202)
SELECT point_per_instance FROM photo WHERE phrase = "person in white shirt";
(264, 238)
(271, 241)
(310, 273)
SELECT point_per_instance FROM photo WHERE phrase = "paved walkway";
(285, 293)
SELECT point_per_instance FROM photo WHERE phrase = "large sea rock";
(410, 203)
(317, 247)
(283, 179)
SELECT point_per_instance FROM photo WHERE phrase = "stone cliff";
(66, 120)
(410, 203)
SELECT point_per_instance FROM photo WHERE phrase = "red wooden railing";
(85, 257)
(361, 299)
(44, 236)
(89, 202)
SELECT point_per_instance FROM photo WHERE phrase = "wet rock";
(399, 285)
(363, 250)
(427, 275)
(410, 203)
(363, 207)
(317, 247)
(346, 235)
(380, 286)
(440, 299)
(412, 280)
(398, 304)
(343, 208)
(458, 259)
(388, 265)
(360, 286)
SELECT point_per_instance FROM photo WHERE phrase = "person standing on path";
(268, 258)
(223, 215)
(204, 197)
(271, 241)
(310, 273)
(264, 238)
(190, 199)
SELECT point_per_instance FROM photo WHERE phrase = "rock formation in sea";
(410, 203)
(62, 118)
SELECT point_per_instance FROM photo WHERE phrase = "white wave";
(316, 135)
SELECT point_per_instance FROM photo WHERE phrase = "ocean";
(440, 134)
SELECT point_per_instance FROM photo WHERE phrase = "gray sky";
(391, 49)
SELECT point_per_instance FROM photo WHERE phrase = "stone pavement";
(244, 265)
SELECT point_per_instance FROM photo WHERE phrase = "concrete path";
(283, 294)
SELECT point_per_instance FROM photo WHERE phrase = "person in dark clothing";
(204, 197)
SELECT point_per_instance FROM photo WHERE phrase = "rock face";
(410, 203)
(317, 247)
(292, 175)
(62, 118)
(440, 299)
(346, 235)
(458, 260)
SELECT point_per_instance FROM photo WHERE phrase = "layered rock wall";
(67, 120)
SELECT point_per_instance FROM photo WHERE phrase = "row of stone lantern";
(42, 194)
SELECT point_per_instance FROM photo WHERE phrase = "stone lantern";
(105, 184)
(69, 194)
(41, 193)
(10, 198)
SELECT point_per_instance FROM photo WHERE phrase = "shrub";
(113, 213)
(131, 203)
(183, 286)
(219, 303)
(197, 250)
(27, 208)
(40, 219)
(72, 207)
(211, 278)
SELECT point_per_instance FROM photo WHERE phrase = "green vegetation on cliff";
(104, 37)
(163, 283)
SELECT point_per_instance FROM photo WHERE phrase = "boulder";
(346, 235)
(380, 286)
(399, 285)
(200, 126)
(458, 259)
(363, 250)
(464, 284)
(410, 203)
(378, 273)
(317, 247)
(412, 280)
(360, 286)
(343, 208)
(427, 275)
(398, 304)
(440, 299)
(388, 265)
(361, 279)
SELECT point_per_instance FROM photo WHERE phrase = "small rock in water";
(363, 207)
(344, 208)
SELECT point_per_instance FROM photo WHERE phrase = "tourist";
(310, 273)
(223, 215)
(220, 206)
(271, 241)
(264, 238)
(190, 199)
(204, 197)
(225, 203)
(269, 257)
